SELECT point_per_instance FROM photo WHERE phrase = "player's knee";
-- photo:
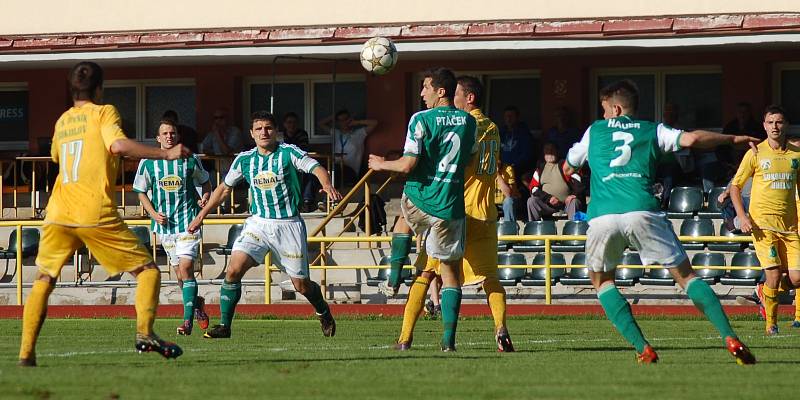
(46, 279)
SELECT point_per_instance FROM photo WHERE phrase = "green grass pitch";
(275, 359)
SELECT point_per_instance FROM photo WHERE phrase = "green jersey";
(274, 179)
(173, 190)
(443, 140)
(623, 154)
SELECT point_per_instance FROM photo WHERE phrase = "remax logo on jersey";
(170, 183)
(265, 180)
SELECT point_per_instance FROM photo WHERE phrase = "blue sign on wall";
(13, 116)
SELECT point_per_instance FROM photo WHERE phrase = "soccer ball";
(378, 55)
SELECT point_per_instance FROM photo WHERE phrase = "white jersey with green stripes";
(623, 154)
(274, 179)
(172, 187)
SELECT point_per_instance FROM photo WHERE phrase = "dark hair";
(343, 111)
(168, 121)
(513, 109)
(624, 92)
(262, 116)
(84, 79)
(170, 114)
(290, 114)
(775, 109)
(442, 78)
(473, 86)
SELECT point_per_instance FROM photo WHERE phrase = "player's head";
(343, 120)
(619, 98)
(263, 128)
(438, 87)
(86, 81)
(775, 122)
(168, 133)
(469, 93)
(170, 114)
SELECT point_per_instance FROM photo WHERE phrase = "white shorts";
(285, 238)
(180, 245)
(647, 231)
(444, 239)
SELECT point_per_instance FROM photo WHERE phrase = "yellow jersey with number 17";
(481, 172)
(83, 194)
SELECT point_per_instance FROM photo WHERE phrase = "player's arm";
(577, 155)
(700, 139)
(217, 197)
(133, 149)
(303, 162)
(205, 195)
(325, 181)
(403, 165)
(746, 171)
(158, 217)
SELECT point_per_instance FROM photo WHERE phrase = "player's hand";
(178, 151)
(745, 223)
(376, 162)
(160, 218)
(333, 194)
(746, 141)
(194, 226)
(203, 201)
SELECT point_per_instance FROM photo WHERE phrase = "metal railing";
(548, 241)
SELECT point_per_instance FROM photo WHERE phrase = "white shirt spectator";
(352, 145)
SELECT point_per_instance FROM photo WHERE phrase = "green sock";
(189, 293)
(619, 312)
(706, 301)
(314, 297)
(451, 305)
(401, 246)
(229, 296)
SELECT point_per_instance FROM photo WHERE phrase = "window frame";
(308, 81)
(660, 79)
(141, 86)
(777, 69)
(18, 87)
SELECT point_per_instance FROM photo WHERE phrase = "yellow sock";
(148, 285)
(33, 317)
(771, 305)
(414, 306)
(797, 304)
(496, 296)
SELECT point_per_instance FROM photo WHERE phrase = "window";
(787, 85)
(309, 97)
(696, 91)
(141, 104)
(14, 116)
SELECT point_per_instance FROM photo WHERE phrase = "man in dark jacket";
(551, 190)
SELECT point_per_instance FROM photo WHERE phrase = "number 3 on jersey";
(73, 149)
(625, 157)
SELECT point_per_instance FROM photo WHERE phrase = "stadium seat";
(537, 275)
(383, 273)
(696, 227)
(711, 276)
(547, 227)
(629, 276)
(712, 209)
(572, 228)
(506, 228)
(684, 202)
(743, 277)
(510, 276)
(577, 275)
(659, 276)
(233, 233)
(30, 245)
(726, 246)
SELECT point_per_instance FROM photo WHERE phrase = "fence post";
(548, 290)
(19, 264)
(267, 278)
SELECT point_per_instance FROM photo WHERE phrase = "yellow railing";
(548, 240)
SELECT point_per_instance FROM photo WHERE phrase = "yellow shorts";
(777, 249)
(114, 246)
(480, 253)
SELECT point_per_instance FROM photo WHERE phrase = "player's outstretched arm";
(220, 193)
(708, 140)
(325, 181)
(158, 217)
(402, 165)
(133, 149)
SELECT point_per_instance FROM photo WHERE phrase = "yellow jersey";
(772, 199)
(481, 172)
(83, 194)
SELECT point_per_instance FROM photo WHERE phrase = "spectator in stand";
(563, 134)
(519, 151)
(551, 190)
(223, 138)
(293, 134)
(744, 124)
(187, 134)
(349, 137)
